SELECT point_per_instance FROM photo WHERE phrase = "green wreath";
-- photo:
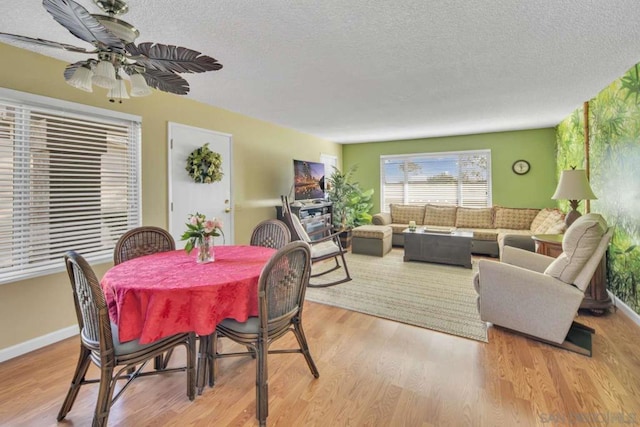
(204, 165)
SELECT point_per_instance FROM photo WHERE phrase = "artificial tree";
(351, 205)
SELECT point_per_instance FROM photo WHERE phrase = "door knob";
(227, 210)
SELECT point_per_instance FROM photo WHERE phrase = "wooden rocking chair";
(325, 247)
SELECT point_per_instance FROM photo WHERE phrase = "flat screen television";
(308, 180)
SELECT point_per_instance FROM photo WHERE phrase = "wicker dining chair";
(99, 344)
(142, 241)
(271, 233)
(139, 242)
(281, 289)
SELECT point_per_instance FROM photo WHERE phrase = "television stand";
(315, 217)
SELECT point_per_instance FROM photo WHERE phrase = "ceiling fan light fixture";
(119, 92)
(139, 86)
(105, 75)
(150, 65)
(82, 79)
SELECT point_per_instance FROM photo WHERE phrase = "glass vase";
(205, 250)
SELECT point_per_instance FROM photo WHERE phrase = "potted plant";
(351, 205)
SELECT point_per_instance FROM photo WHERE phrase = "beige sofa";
(490, 226)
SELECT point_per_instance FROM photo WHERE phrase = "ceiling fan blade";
(166, 81)
(41, 42)
(172, 58)
(81, 24)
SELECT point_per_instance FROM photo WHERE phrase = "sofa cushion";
(578, 244)
(474, 218)
(402, 214)
(548, 221)
(514, 218)
(398, 228)
(489, 234)
(372, 231)
(444, 216)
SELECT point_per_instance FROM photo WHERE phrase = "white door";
(188, 197)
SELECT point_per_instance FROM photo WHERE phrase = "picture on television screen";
(308, 180)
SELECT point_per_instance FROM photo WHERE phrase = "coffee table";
(440, 247)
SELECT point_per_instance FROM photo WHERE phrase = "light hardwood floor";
(373, 372)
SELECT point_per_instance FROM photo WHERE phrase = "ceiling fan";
(147, 64)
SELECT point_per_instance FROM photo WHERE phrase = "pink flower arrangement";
(199, 228)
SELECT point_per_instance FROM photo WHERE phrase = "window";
(456, 178)
(330, 162)
(69, 181)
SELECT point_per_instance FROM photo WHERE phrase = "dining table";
(166, 293)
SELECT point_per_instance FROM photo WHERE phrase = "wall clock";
(521, 167)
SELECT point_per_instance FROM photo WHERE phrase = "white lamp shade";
(81, 79)
(139, 86)
(105, 75)
(574, 185)
(119, 91)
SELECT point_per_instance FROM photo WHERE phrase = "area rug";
(432, 296)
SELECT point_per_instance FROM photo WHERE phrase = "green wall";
(614, 157)
(531, 190)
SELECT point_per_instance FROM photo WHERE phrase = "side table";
(596, 298)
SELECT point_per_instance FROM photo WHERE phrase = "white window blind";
(69, 181)
(454, 178)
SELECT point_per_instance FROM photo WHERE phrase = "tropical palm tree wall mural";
(614, 157)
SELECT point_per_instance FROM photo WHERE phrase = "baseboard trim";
(619, 304)
(38, 342)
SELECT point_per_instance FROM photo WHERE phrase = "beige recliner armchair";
(538, 295)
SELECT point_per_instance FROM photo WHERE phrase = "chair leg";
(105, 394)
(302, 341)
(191, 370)
(262, 383)
(213, 351)
(158, 363)
(161, 362)
(203, 360)
(251, 350)
(84, 360)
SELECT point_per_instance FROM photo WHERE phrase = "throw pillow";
(539, 219)
(444, 216)
(402, 214)
(578, 245)
(554, 220)
(474, 218)
(557, 228)
(514, 218)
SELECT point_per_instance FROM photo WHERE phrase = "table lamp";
(574, 187)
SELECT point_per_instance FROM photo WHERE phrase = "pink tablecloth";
(159, 295)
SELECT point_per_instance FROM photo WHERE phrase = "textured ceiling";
(365, 70)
